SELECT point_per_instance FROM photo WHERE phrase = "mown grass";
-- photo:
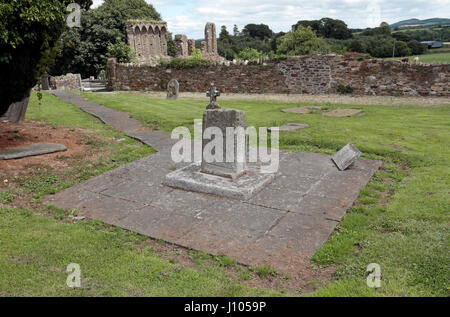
(430, 58)
(401, 219)
(38, 243)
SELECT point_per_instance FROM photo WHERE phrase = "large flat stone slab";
(342, 113)
(32, 150)
(193, 179)
(282, 225)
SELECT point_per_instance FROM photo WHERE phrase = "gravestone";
(346, 157)
(16, 111)
(173, 88)
(224, 173)
(230, 164)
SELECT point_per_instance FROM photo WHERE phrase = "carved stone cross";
(213, 93)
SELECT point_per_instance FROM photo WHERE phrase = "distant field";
(438, 57)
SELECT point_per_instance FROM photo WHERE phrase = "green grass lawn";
(37, 243)
(429, 58)
(401, 219)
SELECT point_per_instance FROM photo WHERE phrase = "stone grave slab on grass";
(342, 113)
(32, 150)
(291, 127)
(302, 110)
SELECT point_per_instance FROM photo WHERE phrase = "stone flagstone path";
(119, 121)
(282, 225)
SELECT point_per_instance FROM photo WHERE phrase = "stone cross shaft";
(213, 93)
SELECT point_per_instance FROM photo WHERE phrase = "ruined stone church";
(149, 40)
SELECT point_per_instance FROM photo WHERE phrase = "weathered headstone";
(16, 111)
(214, 117)
(232, 162)
(346, 157)
(45, 85)
(173, 88)
(223, 170)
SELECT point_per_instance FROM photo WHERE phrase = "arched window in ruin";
(138, 42)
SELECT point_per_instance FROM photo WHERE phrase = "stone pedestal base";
(192, 178)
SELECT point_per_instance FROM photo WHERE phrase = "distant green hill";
(427, 22)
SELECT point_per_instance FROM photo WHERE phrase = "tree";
(327, 28)
(260, 31)
(122, 52)
(302, 41)
(85, 50)
(416, 47)
(250, 54)
(29, 32)
(236, 30)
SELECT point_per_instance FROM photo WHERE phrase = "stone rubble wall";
(313, 74)
(66, 82)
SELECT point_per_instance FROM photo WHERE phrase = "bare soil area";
(13, 135)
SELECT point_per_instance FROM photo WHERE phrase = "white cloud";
(190, 17)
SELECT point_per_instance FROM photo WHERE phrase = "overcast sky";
(190, 17)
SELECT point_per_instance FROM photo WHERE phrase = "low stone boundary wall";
(313, 74)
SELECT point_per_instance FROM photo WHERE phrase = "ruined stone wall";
(66, 82)
(315, 74)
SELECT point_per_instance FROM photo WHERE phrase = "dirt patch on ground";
(13, 135)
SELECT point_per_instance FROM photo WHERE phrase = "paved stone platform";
(282, 225)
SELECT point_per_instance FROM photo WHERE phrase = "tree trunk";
(16, 111)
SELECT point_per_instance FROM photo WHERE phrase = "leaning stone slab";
(32, 150)
(342, 113)
(346, 157)
(291, 127)
(191, 178)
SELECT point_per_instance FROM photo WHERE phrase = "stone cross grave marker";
(213, 93)
(173, 88)
(232, 161)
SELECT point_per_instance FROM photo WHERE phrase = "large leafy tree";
(327, 28)
(302, 41)
(260, 31)
(85, 49)
(29, 31)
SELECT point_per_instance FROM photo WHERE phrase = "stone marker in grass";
(291, 127)
(32, 150)
(302, 110)
(346, 157)
(342, 113)
(173, 88)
